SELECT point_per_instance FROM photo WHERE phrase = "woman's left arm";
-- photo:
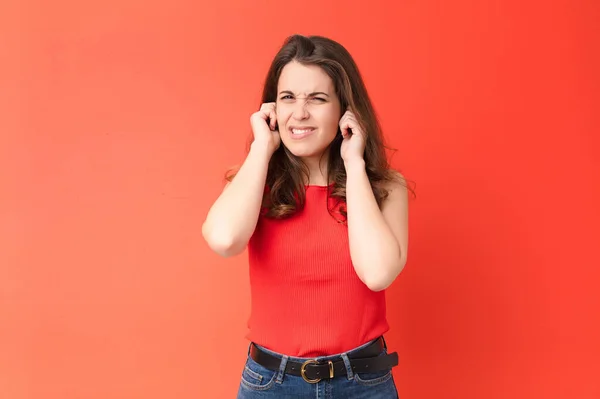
(378, 237)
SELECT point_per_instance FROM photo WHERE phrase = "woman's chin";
(304, 150)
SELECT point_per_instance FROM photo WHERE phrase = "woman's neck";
(317, 171)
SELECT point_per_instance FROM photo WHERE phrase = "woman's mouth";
(301, 132)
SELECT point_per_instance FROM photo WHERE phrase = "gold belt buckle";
(312, 361)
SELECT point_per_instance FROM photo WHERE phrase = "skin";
(306, 99)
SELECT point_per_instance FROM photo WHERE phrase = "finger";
(264, 114)
(349, 116)
(342, 125)
(345, 129)
(266, 110)
(267, 107)
(273, 117)
(352, 122)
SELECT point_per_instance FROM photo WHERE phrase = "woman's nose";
(300, 111)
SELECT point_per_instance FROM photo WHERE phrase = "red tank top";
(307, 300)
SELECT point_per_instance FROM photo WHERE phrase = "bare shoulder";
(396, 186)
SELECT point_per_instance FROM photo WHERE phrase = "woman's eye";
(286, 97)
(320, 99)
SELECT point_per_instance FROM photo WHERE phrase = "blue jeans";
(259, 382)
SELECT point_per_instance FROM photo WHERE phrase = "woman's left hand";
(354, 140)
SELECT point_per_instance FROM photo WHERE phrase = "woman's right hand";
(264, 127)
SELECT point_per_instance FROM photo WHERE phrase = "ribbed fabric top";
(307, 300)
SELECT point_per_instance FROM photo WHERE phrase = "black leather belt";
(366, 360)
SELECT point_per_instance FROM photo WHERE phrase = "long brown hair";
(287, 174)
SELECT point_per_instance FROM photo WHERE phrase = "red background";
(118, 120)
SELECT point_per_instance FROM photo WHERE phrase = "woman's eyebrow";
(310, 94)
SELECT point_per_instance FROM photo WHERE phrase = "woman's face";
(308, 110)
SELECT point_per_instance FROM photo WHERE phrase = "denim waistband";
(320, 358)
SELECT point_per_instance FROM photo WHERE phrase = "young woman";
(325, 221)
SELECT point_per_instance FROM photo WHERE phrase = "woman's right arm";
(232, 219)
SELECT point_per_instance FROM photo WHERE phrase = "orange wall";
(119, 118)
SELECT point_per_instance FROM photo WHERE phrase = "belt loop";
(348, 366)
(281, 372)
(384, 343)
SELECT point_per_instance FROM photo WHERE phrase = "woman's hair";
(287, 174)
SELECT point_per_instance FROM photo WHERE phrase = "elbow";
(222, 244)
(377, 284)
(223, 249)
(379, 280)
